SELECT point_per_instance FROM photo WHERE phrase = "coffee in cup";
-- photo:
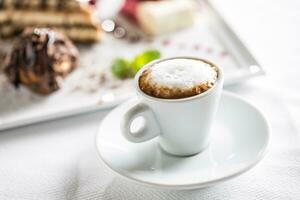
(178, 78)
(178, 98)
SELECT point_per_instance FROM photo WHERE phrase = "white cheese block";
(160, 17)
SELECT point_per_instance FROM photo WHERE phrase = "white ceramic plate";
(240, 137)
(85, 89)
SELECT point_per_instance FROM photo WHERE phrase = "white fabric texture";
(58, 160)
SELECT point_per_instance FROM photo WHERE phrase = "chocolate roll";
(40, 59)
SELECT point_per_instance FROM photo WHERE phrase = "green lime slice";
(143, 59)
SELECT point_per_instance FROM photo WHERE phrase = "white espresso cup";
(181, 125)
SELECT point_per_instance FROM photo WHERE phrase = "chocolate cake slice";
(40, 59)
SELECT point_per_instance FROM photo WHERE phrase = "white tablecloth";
(57, 160)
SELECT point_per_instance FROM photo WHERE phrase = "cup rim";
(219, 80)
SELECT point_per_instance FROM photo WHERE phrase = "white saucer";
(240, 137)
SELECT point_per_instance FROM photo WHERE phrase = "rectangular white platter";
(91, 87)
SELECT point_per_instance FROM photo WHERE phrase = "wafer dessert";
(72, 17)
(40, 59)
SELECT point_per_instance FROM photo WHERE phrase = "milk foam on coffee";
(178, 78)
(182, 73)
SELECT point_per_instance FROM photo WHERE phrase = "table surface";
(57, 159)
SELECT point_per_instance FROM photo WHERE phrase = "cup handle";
(150, 129)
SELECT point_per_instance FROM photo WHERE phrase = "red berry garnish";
(93, 2)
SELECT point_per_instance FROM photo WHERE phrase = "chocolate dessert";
(73, 17)
(40, 58)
